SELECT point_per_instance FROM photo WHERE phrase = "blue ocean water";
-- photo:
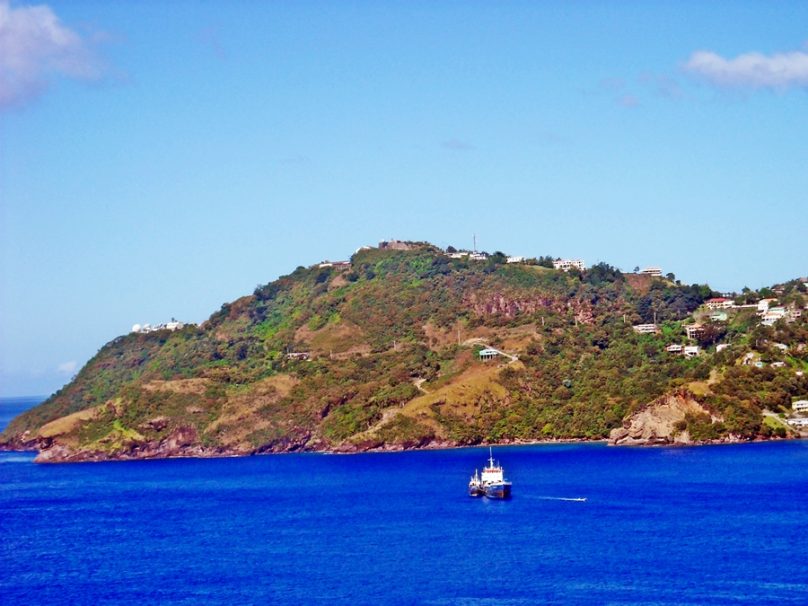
(708, 525)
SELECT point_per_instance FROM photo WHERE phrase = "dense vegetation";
(389, 347)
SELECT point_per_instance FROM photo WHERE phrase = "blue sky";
(159, 159)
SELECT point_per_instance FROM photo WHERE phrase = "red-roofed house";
(719, 303)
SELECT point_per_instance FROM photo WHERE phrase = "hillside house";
(645, 329)
(694, 331)
(656, 272)
(675, 348)
(798, 422)
(568, 264)
(475, 256)
(772, 315)
(718, 316)
(515, 260)
(800, 405)
(489, 353)
(721, 347)
(719, 303)
(764, 304)
(147, 328)
(691, 351)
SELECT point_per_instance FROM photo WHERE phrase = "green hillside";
(383, 353)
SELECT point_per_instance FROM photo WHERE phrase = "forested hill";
(384, 352)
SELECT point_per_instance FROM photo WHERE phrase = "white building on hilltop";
(146, 328)
(568, 264)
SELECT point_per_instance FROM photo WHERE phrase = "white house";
(763, 305)
(475, 256)
(515, 259)
(719, 303)
(489, 353)
(568, 264)
(772, 315)
(652, 271)
(645, 329)
(800, 405)
(691, 351)
(146, 328)
(674, 348)
(721, 347)
(798, 422)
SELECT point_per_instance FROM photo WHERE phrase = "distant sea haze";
(12, 406)
(663, 526)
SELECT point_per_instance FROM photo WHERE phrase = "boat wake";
(573, 499)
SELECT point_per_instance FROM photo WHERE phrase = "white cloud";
(67, 368)
(779, 71)
(34, 47)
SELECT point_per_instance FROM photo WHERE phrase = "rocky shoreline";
(679, 418)
(60, 453)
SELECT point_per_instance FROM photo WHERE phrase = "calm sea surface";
(710, 525)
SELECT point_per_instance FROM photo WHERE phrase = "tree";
(451, 249)
(636, 269)
(603, 272)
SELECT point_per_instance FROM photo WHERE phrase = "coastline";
(62, 455)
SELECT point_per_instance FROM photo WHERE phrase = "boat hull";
(500, 490)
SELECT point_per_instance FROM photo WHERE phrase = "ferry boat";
(491, 483)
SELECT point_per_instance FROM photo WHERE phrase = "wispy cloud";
(779, 71)
(67, 368)
(456, 145)
(34, 48)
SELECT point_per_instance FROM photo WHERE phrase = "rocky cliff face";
(664, 421)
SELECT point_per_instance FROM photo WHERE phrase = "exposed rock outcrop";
(180, 442)
(662, 422)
